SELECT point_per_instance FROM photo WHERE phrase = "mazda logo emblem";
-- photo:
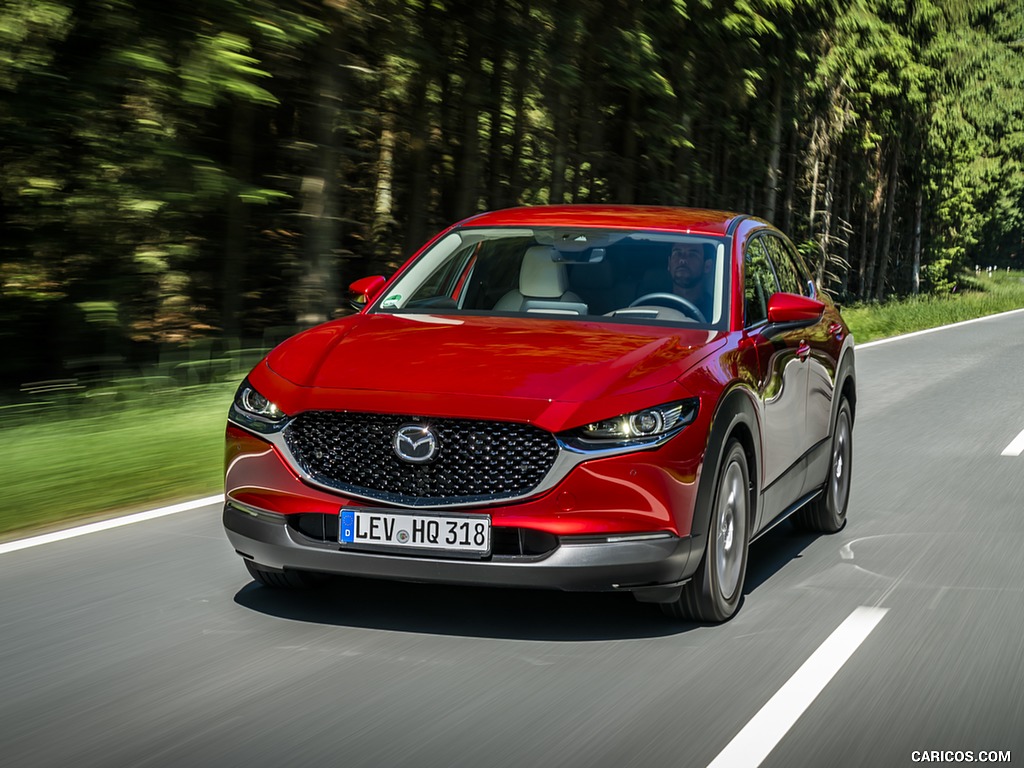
(415, 443)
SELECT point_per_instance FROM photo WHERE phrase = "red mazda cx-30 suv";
(570, 397)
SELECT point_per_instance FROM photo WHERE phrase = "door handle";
(803, 351)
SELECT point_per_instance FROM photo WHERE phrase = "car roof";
(647, 217)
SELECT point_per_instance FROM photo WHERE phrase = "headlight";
(253, 410)
(638, 429)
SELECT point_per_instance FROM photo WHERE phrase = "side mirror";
(366, 289)
(786, 308)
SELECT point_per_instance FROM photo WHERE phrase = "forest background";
(178, 175)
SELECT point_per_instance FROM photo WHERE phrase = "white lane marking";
(104, 525)
(759, 736)
(933, 330)
(1016, 447)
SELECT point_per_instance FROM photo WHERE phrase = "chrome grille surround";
(477, 461)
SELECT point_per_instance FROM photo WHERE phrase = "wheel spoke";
(731, 529)
(840, 478)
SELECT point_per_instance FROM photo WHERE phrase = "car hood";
(530, 358)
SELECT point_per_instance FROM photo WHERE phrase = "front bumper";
(649, 568)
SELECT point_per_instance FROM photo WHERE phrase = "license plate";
(393, 530)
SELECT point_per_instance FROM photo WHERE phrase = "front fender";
(735, 415)
(846, 382)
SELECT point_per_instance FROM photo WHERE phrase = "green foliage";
(226, 166)
(219, 66)
(173, 171)
(987, 296)
(30, 31)
(113, 460)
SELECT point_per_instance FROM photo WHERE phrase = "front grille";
(475, 461)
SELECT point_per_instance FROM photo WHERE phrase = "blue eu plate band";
(348, 526)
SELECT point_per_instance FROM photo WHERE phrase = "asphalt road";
(148, 645)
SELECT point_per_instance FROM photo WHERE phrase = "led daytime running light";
(648, 423)
(254, 411)
(256, 404)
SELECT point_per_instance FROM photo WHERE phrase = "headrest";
(540, 276)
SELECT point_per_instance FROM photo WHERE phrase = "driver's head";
(687, 265)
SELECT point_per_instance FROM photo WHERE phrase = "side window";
(758, 282)
(793, 276)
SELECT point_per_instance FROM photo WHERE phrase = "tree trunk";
(233, 268)
(862, 265)
(725, 188)
(812, 224)
(775, 153)
(684, 163)
(683, 155)
(560, 118)
(876, 209)
(444, 177)
(826, 221)
(383, 204)
(592, 137)
(918, 205)
(787, 208)
(583, 167)
(890, 205)
(627, 172)
(844, 279)
(419, 150)
(468, 187)
(710, 168)
(812, 214)
(496, 150)
(520, 81)
(318, 294)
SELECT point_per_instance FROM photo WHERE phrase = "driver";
(687, 266)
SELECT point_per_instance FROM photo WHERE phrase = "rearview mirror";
(793, 308)
(366, 289)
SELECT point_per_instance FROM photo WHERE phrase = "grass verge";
(169, 446)
(137, 457)
(987, 296)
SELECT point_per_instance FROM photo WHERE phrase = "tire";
(827, 513)
(713, 594)
(284, 579)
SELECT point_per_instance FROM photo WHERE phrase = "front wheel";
(713, 595)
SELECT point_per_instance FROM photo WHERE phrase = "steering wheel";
(688, 307)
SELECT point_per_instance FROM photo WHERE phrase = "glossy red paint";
(791, 308)
(538, 366)
(643, 217)
(767, 387)
(637, 492)
(368, 287)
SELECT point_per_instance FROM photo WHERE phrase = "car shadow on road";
(782, 544)
(517, 614)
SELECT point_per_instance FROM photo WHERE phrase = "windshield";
(614, 275)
